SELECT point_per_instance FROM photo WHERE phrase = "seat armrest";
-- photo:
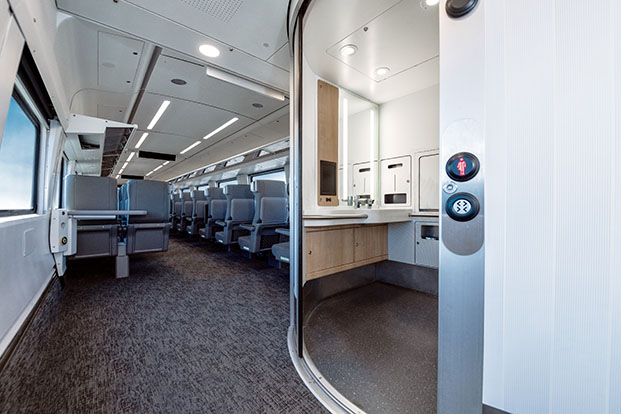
(283, 231)
(221, 223)
(249, 227)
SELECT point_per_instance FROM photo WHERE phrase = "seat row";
(254, 216)
(102, 226)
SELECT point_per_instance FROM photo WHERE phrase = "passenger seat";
(148, 233)
(214, 210)
(239, 210)
(95, 238)
(186, 211)
(196, 220)
(270, 213)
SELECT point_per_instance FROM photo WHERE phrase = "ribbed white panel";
(585, 138)
(553, 225)
(615, 228)
(495, 207)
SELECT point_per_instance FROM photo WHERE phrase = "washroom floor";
(377, 345)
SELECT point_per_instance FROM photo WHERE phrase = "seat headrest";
(197, 195)
(85, 192)
(186, 196)
(238, 191)
(214, 193)
(269, 188)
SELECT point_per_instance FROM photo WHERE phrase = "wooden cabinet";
(370, 242)
(329, 248)
(337, 248)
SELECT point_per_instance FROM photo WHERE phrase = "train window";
(18, 161)
(272, 175)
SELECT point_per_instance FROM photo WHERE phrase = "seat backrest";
(85, 192)
(236, 192)
(197, 201)
(151, 196)
(270, 206)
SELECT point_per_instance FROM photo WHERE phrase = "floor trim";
(8, 352)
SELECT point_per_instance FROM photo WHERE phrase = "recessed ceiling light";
(209, 50)
(131, 156)
(383, 71)
(431, 2)
(149, 173)
(190, 147)
(257, 105)
(215, 131)
(141, 140)
(118, 176)
(179, 82)
(158, 114)
(157, 168)
(349, 50)
(166, 162)
(125, 165)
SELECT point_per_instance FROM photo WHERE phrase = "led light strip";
(141, 140)
(158, 114)
(215, 131)
(190, 147)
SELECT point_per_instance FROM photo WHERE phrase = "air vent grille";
(223, 10)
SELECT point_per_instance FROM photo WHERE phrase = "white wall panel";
(553, 319)
(614, 320)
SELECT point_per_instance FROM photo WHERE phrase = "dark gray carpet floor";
(194, 330)
(377, 345)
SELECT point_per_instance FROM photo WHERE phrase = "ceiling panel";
(159, 29)
(281, 58)
(412, 39)
(412, 57)
(205, 89)
(118, 59)
(256, 27)
(187, 118)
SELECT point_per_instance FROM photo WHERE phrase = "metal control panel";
(462, 188)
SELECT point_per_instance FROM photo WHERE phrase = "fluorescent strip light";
(215, 131)
(149, 173)
(157, 168)
(158, 114)
(131, 156)
(141, 140)
(117, 177)
(166, 162)
(245, 83)
(190, 147)
(125, 165)
(345, 148)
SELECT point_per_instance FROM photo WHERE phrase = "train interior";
(310, 206)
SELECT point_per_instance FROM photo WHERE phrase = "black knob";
(460, 8)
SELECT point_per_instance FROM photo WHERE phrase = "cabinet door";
(329, 248)
(370, 242)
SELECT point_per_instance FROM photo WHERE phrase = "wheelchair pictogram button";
(462, 207)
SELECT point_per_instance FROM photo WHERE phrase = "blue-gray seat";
(95, 238)
(177, 210)
(186, 211)
(239, 210)
(281, 252)
(196, 220)
(270, 213)
(148, 233)
(214, 210)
